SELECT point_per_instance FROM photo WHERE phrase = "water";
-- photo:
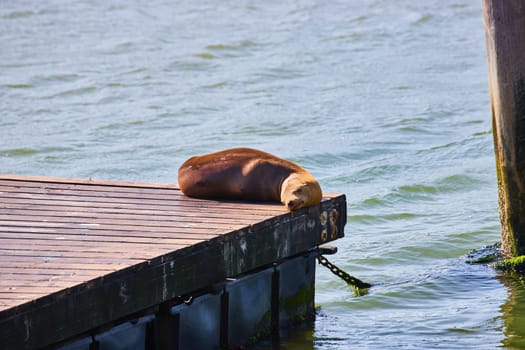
(384, 101)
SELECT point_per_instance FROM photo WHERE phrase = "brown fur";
(249, 174)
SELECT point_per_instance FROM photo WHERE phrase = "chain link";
(353, 281)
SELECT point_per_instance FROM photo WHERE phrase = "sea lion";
(249, 174)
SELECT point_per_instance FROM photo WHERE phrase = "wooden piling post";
(505, 40)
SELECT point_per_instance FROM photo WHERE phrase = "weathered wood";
(116, 222)
(29, 237)
(505, 41)
(62, 180)
(77, 254)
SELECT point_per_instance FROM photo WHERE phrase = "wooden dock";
(78, 256)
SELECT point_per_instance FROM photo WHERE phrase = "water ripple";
(386, 102)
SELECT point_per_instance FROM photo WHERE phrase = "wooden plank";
(19, 275)
(108, 227)
(119, 225)
(138, 224)
(12, 292)
(189, 233)
(88, 191)
(37, 272)
(85, 265)
(87, 186)
(62, 250)
(134, 216)
(65, 259)
(253, 210)
(15, 298)
(14, 281)
(86, 210)
(115, 183)
(167, 203)
(83, 240)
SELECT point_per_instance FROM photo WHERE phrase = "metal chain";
(353, 281)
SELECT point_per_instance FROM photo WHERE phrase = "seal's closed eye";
(298, 191)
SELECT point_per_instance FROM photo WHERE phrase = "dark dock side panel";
(81, 256)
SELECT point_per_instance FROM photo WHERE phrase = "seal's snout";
(294, 204)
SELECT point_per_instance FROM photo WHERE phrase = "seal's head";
(300, 190)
